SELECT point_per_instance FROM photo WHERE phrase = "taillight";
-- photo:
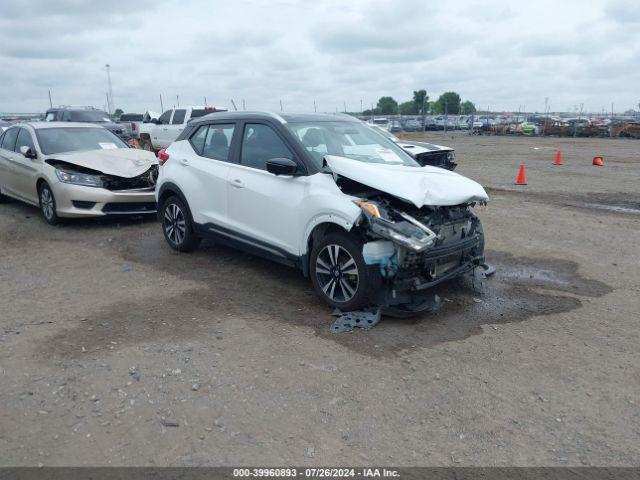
(162, 157)
(133, 127)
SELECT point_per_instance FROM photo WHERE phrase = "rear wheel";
(177, 225)
(338, 272)
(48, 204)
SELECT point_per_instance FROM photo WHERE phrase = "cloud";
(331, 52)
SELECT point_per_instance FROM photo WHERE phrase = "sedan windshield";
(351, 140)
(73, 139)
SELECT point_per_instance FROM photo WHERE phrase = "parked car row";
(327, 194)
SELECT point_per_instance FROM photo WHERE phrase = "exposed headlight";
(451, 156)
(410, 234)
(370, 207)
(79, 178)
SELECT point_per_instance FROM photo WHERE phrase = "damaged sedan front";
(77, 170)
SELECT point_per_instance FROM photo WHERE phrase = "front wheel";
(48, 205)
(178, 226)
(338, 272)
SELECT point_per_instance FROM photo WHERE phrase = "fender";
(174, 189)
(337, 218)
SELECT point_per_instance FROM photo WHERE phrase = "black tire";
(339, 287)
(48, 204)
(177, 225)
(3, 198)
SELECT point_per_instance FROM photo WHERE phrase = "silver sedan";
(75, 170)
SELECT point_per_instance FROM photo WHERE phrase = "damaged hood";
(121, 162)
(417, 148)
(421, 186)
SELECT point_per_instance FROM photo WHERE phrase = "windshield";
(70, 139)
(386, 133)
(348, 139)
(88, 116)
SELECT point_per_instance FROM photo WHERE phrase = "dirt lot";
(108, 339)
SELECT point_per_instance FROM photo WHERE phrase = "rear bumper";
(79, 201)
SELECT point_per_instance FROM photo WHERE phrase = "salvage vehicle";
(326, 194)
(424, 153)
(162, 131)
(93, 115)
(75, 170)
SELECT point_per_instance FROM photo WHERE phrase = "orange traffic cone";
(521, 179)
(558, 160)
(597, 161)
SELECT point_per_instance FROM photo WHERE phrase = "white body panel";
(420, 186)
(279, 210)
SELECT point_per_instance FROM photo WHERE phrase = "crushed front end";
(410, 249)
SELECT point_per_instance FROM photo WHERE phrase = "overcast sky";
(495, 53)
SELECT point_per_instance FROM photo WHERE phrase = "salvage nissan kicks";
(75, 170)
(324, 193)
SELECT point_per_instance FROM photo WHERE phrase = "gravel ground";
(115, 350)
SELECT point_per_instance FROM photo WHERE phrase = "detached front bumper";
(415, 273)
(79, 201)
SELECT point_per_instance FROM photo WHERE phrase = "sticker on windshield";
(388, 156)
(107, 145)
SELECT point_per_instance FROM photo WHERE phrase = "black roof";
(280, 117)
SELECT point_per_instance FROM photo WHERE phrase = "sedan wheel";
(48, 204)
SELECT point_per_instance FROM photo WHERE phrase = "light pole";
(110, 99)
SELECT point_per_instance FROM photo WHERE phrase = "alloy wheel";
(46, 203)
(174, 223)
(337, 273)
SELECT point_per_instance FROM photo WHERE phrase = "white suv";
(324, 193)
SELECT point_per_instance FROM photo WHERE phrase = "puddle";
(258, 291)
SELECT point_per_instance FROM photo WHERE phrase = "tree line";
(449, 102)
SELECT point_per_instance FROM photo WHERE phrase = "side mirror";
(282, 166)
(27, 152)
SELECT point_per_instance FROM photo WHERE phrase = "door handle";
(184, 162)
(237, 183)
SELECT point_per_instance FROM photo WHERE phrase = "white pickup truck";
(162, 132)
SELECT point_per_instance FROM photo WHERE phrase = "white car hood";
(421, 186)
(121, 162)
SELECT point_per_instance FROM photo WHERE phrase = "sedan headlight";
(451, 156)
(79, 178)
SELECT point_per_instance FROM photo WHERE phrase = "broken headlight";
(79, 178)
(409, 233)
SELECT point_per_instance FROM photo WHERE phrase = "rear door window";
(178, 117)
(9, 139)
(198, 138)
(165, 117)
(218, 141)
